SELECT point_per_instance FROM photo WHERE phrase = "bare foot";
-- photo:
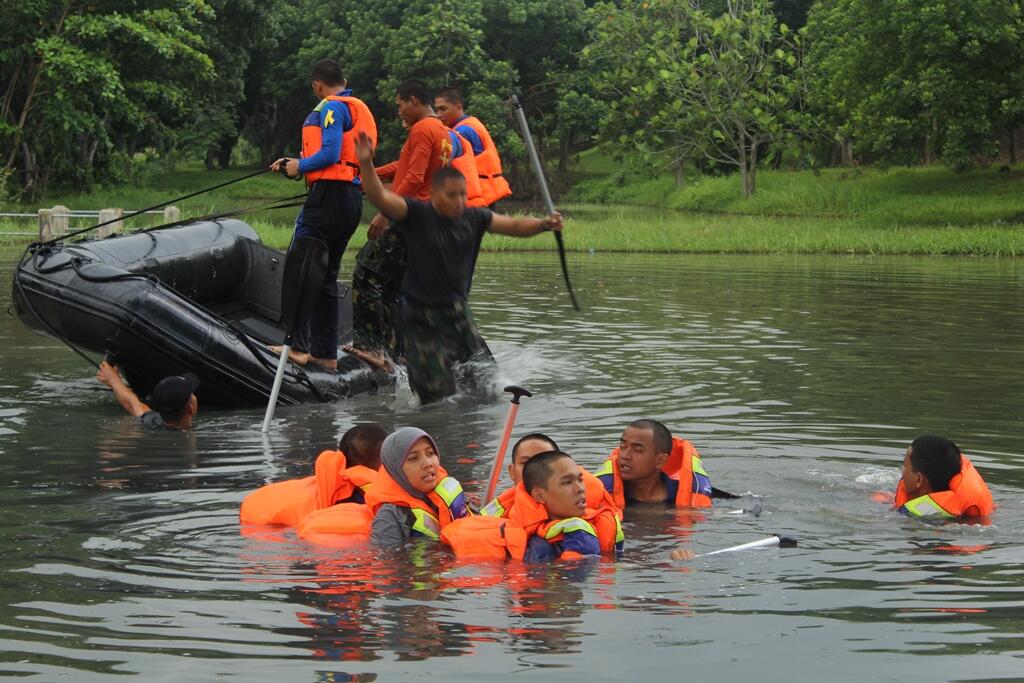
(372, 358)
(682, 554)
(297, 357)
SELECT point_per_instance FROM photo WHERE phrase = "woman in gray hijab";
(413, 495)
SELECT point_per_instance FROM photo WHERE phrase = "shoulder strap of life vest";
(684, 464)
(500, 505)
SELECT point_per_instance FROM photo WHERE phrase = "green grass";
(862, 211)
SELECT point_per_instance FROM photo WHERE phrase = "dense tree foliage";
(922, 79)
(92, 90)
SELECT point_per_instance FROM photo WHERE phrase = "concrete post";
(60, 220)
(172, 214)
(45, 224)
(109, 215)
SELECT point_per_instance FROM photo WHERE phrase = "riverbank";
(857, 211)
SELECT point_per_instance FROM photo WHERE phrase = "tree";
(690, 84)
(910, 80)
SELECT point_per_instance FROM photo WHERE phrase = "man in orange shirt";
(380, 264)
(449, 106)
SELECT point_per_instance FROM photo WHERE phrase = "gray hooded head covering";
(394, 450)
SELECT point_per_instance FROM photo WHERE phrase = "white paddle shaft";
(278, 378)
(771, 541)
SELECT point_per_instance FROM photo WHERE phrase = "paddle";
(770, 542)
(550, 205)
(305, 267)
(513, 410)
(719, 493)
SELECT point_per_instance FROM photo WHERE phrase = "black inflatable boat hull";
(202, 298)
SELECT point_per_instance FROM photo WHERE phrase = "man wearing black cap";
(172, 405)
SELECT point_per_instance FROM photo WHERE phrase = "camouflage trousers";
(380, 266)
(444, 349)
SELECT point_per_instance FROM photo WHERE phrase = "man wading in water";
(443, 239)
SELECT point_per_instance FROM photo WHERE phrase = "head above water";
(361, 445)
(448, 192)
(554, 480)
(644, 448)
(411, 457)
(449, 105)
(175, 399)
(327, 78)
(413, 100)
(929, 464)
(527, 447)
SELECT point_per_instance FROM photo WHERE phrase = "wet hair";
(534, 436)
(328, 72)
(444, 174)
(662, 436)
(937, 458)
(411, 88)
(537, 471)
(451, 94)
(361, 445)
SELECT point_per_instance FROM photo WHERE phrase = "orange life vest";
(597, 498)
(488, 164)
(338, 526)
(968, 496)
(683, 464)
(465, 164)
(288, 502)
(430, 519)
(495, 538)
(347, 166)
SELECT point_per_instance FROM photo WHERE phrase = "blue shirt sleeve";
(474, 140)
(538, 550)
(334, 121)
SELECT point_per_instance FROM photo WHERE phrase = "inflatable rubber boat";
(203, 297)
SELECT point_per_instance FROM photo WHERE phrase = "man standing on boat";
(334, 204)
(381, 262)
(450, 106)
(443, 237)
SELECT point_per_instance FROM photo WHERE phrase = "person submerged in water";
(939, 481)
(362, 443)
(172, 405)
(651, 466)
(551, 504)
(524, 449)
(413, 496)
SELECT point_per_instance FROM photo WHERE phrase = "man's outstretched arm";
(108, 374)
(389, 203)
(524, 227)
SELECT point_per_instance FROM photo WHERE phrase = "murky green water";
(801, 380)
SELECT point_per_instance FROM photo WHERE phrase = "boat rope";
(155, 206)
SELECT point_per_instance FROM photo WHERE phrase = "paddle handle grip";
(506, 436)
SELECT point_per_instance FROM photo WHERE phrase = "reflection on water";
(799, 379)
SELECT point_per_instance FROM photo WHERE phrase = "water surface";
(800, 379)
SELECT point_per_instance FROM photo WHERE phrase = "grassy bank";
(862, 211)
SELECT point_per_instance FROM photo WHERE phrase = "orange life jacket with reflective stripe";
(968, 496)
(437, 515)
(347, 166)
(535, 519)
(493, 185)
(683, 464)
(597, 498)
(465, 164)
(288, 502)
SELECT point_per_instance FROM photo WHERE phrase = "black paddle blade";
(787, 542)
(305, 267)
(719, 493)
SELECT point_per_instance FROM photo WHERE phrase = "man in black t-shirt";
(443, 238)
(172, 405)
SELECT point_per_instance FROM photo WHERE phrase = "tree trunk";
(225, 150)
(751, 182)
(680, 177)
(847, 152)
(1011, 138)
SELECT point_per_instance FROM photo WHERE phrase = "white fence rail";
(54, 222)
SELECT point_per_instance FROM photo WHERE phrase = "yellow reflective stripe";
(619, 535)
(697, 466)
(449, 489)
(924, 506)
(426, 524)
(605, 468)
(493, 509)
(569, 525)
